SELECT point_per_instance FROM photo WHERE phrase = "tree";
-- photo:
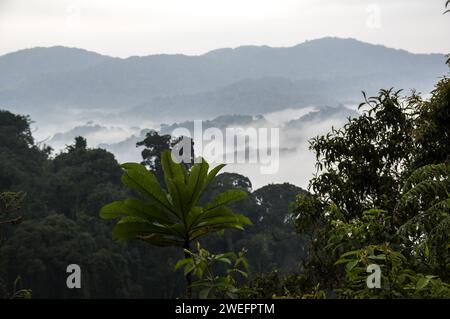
(426, 201)
(64, 195)
(433, 130)
(413, 258)
(210, 282)
(156, 144)
(372, 201)
(83, 180)
(41, 250)
(359, 167)
(10, 203)
(271, 242)
(21, 160)
(80, 144)
(171, 216)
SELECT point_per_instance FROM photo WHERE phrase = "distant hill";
(248, 79)
(33, 64)
(292, 132)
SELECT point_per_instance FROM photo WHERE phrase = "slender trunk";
(188, 276)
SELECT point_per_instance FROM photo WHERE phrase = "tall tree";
(155, 144)
(433, 130)
(361, 165)
(171, 216)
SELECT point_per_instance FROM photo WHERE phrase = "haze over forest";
(323, 125)
(304, 90)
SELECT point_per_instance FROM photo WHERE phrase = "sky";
(141, 27)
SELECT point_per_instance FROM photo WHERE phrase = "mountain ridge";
(327, 70)
(237, 48)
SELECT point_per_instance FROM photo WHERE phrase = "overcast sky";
(142, 27)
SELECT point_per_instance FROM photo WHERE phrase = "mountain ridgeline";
(246, 80)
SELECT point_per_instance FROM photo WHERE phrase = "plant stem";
(188, 276)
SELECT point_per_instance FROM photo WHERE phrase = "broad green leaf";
(225, 260)
(422, 283)
(161, 240)
(114, 210)
(222, 211)
(149, 211)
(194, 215)
(131, 228)
(378, 257)
(352, 264)
(171, 169)
(176, 194)
(182, 262)
(225, 198)
(349, 253)
(196, 180)
(146, 184)
(212, 174)
(236, 220)
(172, 218)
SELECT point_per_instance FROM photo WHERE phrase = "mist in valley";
(297, 126)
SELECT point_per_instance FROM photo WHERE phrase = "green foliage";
(84, 179)
(404, 253)
(80, 144)
(427, 193)
(20, 293)
(397, 279)
(172, 217)
(414, 257)
(211, 284)
(21, 160)
(64, 195)
(282, 286)
(73, 186)
(372, 200)
(432, 131)
(155, 144)
(272, 242)
(9, 204)
(41, 263)
(359, 166)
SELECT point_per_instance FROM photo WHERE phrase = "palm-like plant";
(172, 216)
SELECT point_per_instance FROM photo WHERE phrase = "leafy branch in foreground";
(203, 265)
(397, 280)
(172, 216)
(414, 257)
(427, 193)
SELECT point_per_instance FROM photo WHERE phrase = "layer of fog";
(296, 166)
(296, 162)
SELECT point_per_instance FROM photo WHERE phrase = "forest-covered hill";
(61, 224)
